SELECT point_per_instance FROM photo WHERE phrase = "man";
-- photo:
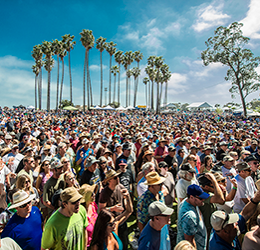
(228, 170)
(29, 164)
(181, 145)
(24, 143)
(125, 177)
(17, 157)
(28, 152)
(161, 151)
(62, 148)
(74, 140)
(223, 150)
(154, 182)
(226, 226)
(193, 151)
(155, 234)
(187, 177)
(252, 238)
(53, 184)
(191, 226)
(127, 148)
(66, 228)
(245, 187)
(90, 175)
(7, 141)
(207, 151)
(254, 164)
(172, 161)
(253, 147)
(25, 226)
(111, 199)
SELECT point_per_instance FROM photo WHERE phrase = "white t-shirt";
(231, 173)
(3, 173)
(181, 188)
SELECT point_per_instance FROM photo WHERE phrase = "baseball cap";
(163, 164)
(242, 166)
(228, 158)
(122, 162)
(70, 194)
(171, 149)
(159, 208)
(196, 190)
(188, 167)
(250, 158)
(220, 219)
(85, 141)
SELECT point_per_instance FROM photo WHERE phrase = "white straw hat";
(20, 198)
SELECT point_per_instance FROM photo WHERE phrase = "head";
(28, 162)
(57, 168)
(181, 153)
(70, 179)
(187, 172)
(88, 192)
(191, 159)
(196, 195)
(147, 168)
(243, 169)
(45, 166)
(252, 162)
(208, 160)
(163, 166)
(23, 182)
(154, 182)
(228, 161)
(126, 150)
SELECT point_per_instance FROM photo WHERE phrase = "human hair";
(184, 245)
(182, 173)
(206, 159)
(11, 192)
(26, 159)
(146, 166)
(99, 233)
(20, 182)
(41, 166)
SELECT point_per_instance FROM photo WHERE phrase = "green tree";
(227, 47)
(69, 44)
(146, 81)
(114, 71)
(138, 56)
(150, 71)
(110, 48)
(65, 103)
(87, 39)
(166, 78)
(254, 104)
(101, 45)
(119, 57)
(47, 50)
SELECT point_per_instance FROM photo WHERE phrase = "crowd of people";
(71, 180)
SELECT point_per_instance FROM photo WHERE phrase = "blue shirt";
(85, 155)
(27, 232)
(217, 243)
(151, 239)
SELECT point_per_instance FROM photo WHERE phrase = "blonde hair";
(184, 245)
(20, 182)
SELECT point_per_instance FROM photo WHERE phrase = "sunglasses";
(103, 162)
(46, 164)
(71, 179)
(75, 202)
(222, 181)
(25, 205)
(247, 170)
(27, 181)
(201, 199)
(66, 162)
(31, 161)
(255, 163)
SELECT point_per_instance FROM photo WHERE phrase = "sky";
(175, 30)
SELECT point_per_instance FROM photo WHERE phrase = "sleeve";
(48, 237)
(189, 224)
(45, 193)
(84, 216)
(78, 155)
(142, 212)
(103, 197)
(6, 170)
(242, 224)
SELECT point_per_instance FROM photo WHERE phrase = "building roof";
(199, 105)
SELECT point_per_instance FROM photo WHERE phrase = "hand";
(124, 192)
(90, 152)
(257, 196)
(81, 154)
(118, 208)
(211, 177)
(164, 155)
(175, 165)
(12, 175)
(233, 181)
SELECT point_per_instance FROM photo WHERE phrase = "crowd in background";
(71, 180)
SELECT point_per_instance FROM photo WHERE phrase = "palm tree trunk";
(62, 79)
(70, 79)
(129, 90)
(126, 90)
(157, 101)
(110, 64)
(114, 95)
(58, 80)
(152, 96)
(146, 95)
(40, 89)
(101, 77)
(84, 82)
(88, 81)
(160, 95)
(165, 94)
(149, 94)
(118, 90)
(90, 91)
(49, 89)
(36, 78)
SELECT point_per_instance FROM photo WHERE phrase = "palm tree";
(47, 50)
(138, 56)
(37, 55)
(62, 54)
(136, 73)
(57, 49)
(87, 39)
(150, 72)
(119, 59)
(114, 71)
(36, 71)
(158, 64)
(166, 77)
(129, 73)
(146, 81)
(69, 44)
(110, 48)
(101, 45)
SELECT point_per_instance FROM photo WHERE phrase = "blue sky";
(176, 30)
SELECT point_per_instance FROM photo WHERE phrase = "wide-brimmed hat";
(70, 194)
(111, 174)
(242, 166)
(159, 208)
(107, 151)
(90, 161)
(86, 191)
(56, 163)
(162, 140)
(20, 198)
(219, 177)
(220, 219)
(148, 152)
(46, 147)
(153, 178)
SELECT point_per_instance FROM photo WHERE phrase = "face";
(73, 207)
(246, 172)
(223, 182)
(198, 201)
(24, 210)
(156, 188)
(189, 176)
(127, 152)
(193, 162)
(63, 150)
(231, 230)
(162, 220)
(254, 165)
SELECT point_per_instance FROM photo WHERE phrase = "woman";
(67, 166)
(208, 165)
(70, 180)
(88, 201)
(118, 152)
(105, 235)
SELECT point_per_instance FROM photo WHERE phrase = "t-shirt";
(126, 179)
(10, 244)
(3, 173)
(141, 187)
(89, 177)
(190, 222)
(170, 185)
(27, 232)
(231, 173)
(63, 232)
(151, 239)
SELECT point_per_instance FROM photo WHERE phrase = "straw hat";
(20, 198)
(153, 178)
(148, 152)
(86, 191)
(111, 174)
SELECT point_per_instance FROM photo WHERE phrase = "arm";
(233, 191)
(250, 207)
(218, 196)
(141, 226)
(191, 239)
(86, 239)
(38, 183)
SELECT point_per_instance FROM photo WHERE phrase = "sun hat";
(85, 141)
(70, 194)
(148, 152)
(8, 136)
(107, 151)
(20, 198)
(153, 178)
(110, 174)
(250, 158)
(196, 190)
(171, 149)
(102, 159)
(159, 208)
(91, 160)
(228, 158)
(219, 176)
(61, 145)
(86, 191)
(46, 147)
(242, 166)
(163, 164)
(27, 149)
(220, 219)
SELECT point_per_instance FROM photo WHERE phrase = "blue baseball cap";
(196, 190)
(122, 162)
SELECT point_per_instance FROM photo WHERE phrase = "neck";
(155, 226)
(227, 239)
(65, 212)
(111, 186)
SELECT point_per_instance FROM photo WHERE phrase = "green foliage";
(218, 111)
(227, 47)
(184, 106)
(114, 104)
(254, 104)
(232, 105)
(65, 103)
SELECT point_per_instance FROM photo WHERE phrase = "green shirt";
(63, 232)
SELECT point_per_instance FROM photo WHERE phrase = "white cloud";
(95, 67)
(251, 26)
(14, 62)
(209, 16)
(151, 22)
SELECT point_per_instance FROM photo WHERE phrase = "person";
(66, 228)
(28, 166)
(25, 226)
(226, 226)
(208, 165)
(70, 180)
(161, 151)
(252, 238)
(191, 226)
(184, 245)
(253, 162)
(155, 235)
(223, 150)
(154, 182)
(228, 170)
(245, 187)
(172, 161)
(90, 175)
(88, 201)
(125, 177)
(105, 235)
